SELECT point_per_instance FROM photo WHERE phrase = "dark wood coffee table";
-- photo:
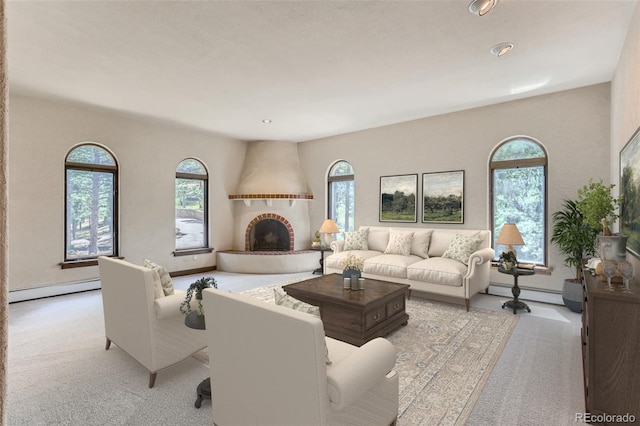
(354, 316)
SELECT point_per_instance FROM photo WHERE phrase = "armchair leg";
(394, 422)
(108, 344)
(152, 379)
(467, 302)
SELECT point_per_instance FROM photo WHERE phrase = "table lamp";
(510, 236)
(328, 228)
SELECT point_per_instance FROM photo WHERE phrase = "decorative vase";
(348, 273)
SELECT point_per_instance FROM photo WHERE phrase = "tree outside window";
(518, 195)
(91, 203)
(191, 205)
(341, 194)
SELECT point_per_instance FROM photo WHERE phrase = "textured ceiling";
(314, 68)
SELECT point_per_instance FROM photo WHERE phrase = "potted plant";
(195, 318)
(508, 260)
(575, 239)
(316, 240)
(599, 210)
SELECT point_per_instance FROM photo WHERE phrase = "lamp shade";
(510, 235)
(328, 227)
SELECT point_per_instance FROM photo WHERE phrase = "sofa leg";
(152, 379)
(467, 302)
(486, 290)
(107, 345)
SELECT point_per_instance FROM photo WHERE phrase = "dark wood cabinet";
(611, 350)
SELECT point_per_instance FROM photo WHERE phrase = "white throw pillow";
(461, 247)
(165, 278)
(399, 243)
(356, 240)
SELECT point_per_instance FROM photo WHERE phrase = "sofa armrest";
(351, 377)
(337, 246)
(481, 256)
(169, 306)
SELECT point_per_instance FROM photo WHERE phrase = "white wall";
(41, 132)
(625, 100)
(572, 125)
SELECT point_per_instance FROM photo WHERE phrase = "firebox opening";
(269, 235)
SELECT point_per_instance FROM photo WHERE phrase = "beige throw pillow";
(399, 243)
(356, 240)
(461, 247)
(165, 278)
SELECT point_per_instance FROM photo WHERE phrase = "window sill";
(191, 252)
(81, 263)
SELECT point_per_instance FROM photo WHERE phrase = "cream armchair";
(141, 320)
(268, 366)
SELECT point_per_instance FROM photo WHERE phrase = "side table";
(515, 304)
(320, 270)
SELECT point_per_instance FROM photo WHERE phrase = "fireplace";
(269, 232)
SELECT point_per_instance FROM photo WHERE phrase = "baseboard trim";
(192, 271)
(50, 291)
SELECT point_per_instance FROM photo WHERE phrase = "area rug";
(445, 355)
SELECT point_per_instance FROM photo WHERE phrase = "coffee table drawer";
(374, 317)
(341, 317)
(395, 306)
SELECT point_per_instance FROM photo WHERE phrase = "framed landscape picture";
(630, 193)
(398, 196)
(443, 197)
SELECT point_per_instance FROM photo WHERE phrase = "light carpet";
(59, 372)
(445, 356)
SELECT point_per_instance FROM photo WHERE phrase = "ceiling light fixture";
(501, 49)
(481, 7)
(266, 121)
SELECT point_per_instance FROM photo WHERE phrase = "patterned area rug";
(445, 356)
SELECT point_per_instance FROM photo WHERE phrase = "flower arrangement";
(351, 261)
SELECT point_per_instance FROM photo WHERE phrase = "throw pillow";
(461, 247)
(356, 240)
(165, 278)
(283, 299)
(399, 243)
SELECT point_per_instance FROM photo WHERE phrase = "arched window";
(91, 200)
(518, 174)
(192, 208)
(341, 190)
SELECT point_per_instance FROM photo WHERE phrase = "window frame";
(340, 178)
(205, 178)
(515, 164)
(91, 167)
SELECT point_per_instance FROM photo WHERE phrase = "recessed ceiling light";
(481, 7)
(501, 49)
(266, 121)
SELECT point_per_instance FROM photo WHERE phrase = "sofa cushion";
(335, 260)
(399, 243)
(378, 238)
(356, 240)
(461, 247)
(420, 243)
(390, 265)
(165, 278)
(437, 270)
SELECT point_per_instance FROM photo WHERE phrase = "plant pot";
(572, 295)
(193, 320)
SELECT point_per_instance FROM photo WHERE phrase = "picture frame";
(443, 197)
(630, 193)
(398, 198)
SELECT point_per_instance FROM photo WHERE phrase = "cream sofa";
(268, 366)
(422, 265)
(141, 320)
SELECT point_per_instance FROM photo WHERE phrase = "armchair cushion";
(349, 378)
(165, 278)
